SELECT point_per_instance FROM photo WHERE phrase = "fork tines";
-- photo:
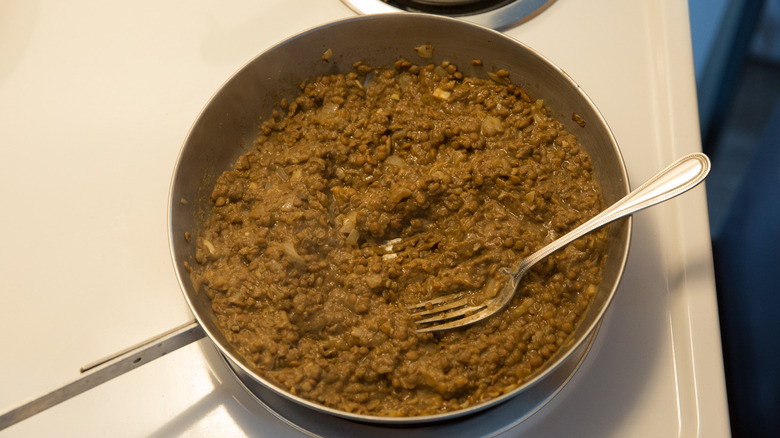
(448, 308)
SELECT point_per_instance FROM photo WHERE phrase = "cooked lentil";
(379, 188)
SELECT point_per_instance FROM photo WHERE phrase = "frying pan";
(227, 125)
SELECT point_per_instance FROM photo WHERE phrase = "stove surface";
(93, 116)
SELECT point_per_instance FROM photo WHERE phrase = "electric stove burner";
(496, 14)
(453, 7)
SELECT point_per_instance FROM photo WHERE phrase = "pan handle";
(107, 368)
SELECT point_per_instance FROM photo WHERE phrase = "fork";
(458, 310)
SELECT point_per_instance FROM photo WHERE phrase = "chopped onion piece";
(349, 224)
(353, 237)
(395, 160)
(491, 126)
(495, 77)
(424, 51)
(289, 251)
(441, 94)
(388, 246)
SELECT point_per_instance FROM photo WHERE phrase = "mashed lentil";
(379, 188)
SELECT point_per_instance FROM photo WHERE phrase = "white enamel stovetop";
(95, 101)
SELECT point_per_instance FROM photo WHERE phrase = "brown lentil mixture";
(383, 187)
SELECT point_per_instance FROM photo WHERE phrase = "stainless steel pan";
(227, 126)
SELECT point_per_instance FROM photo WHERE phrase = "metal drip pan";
(487, 423)
(495, 14)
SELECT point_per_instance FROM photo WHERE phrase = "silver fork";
(458, 310)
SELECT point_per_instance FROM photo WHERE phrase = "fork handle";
(676, 179)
